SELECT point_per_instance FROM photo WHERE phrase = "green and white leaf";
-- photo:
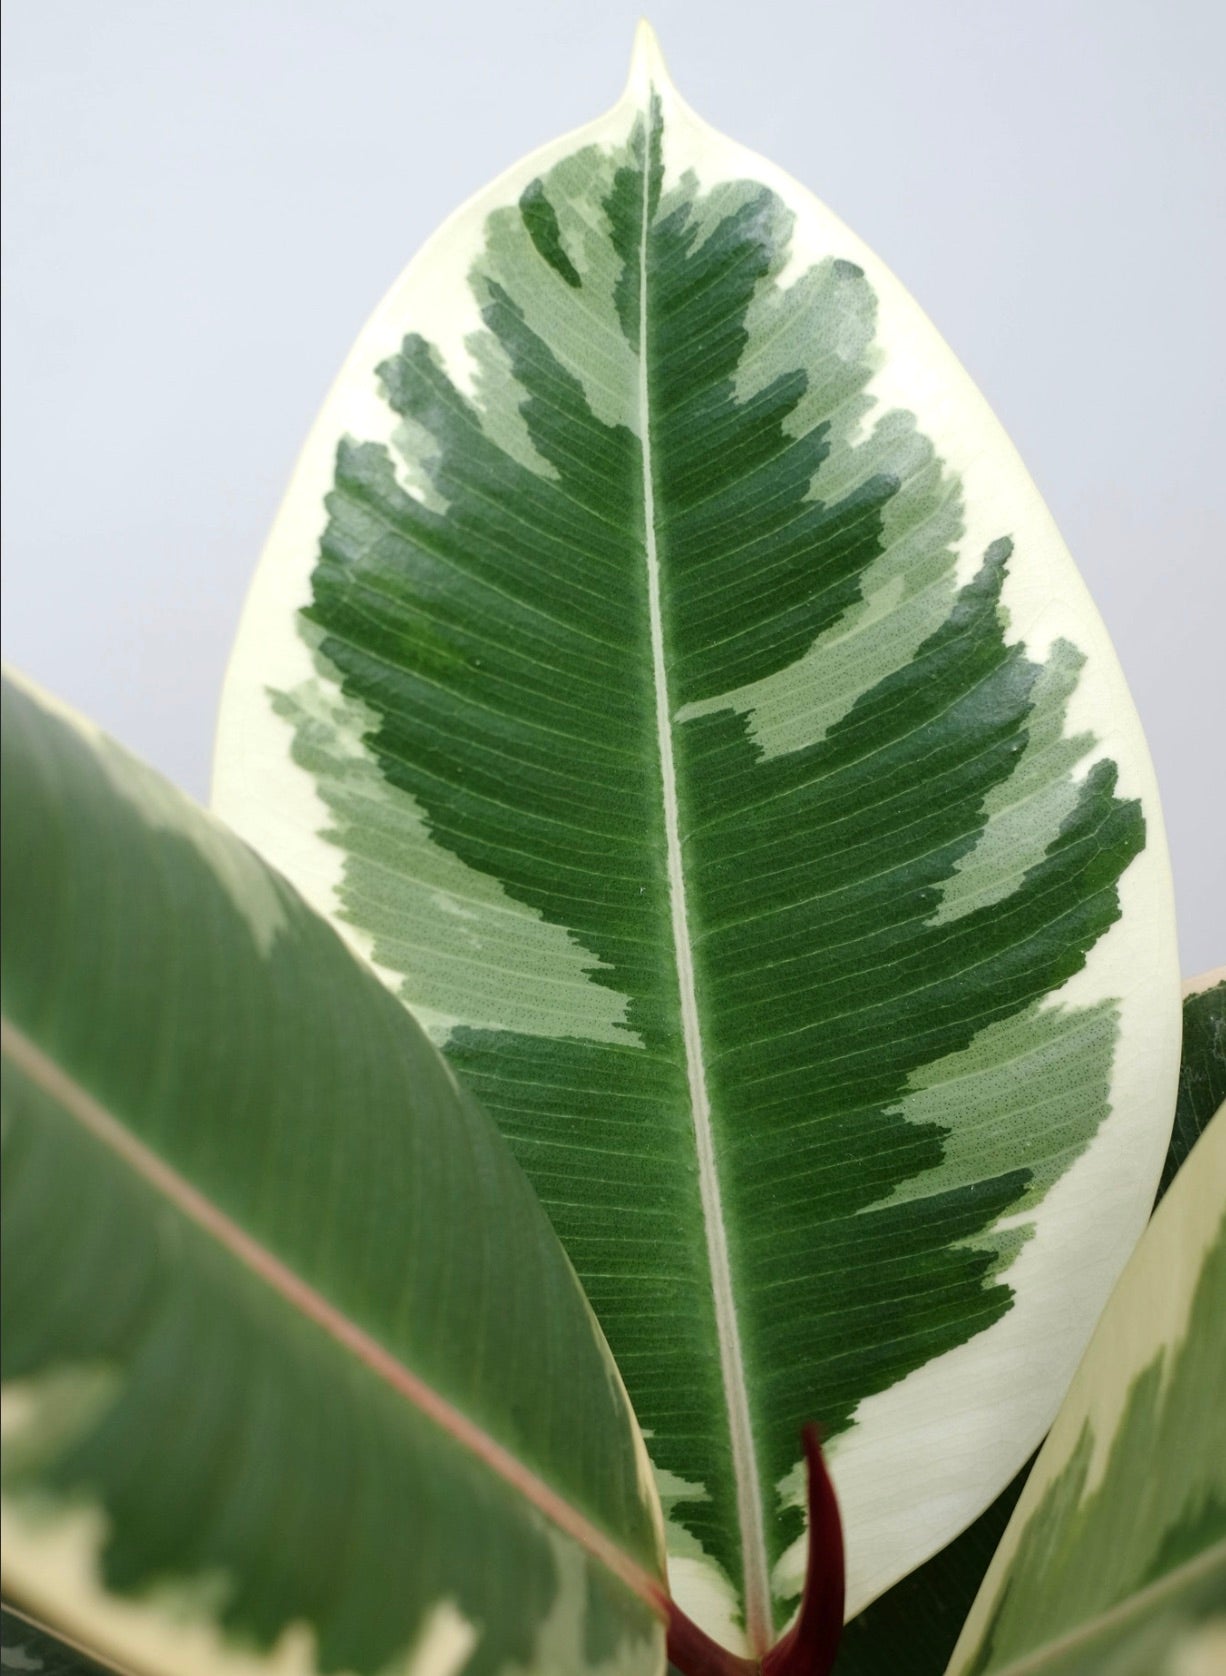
(665, 672)
(297, 1376)
(1114, 1563)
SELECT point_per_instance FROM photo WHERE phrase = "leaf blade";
(157, 977)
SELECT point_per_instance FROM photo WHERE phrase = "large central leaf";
(666, 673)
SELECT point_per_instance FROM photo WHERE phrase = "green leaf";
(915, 1624)
(1114, 1563)
(298, 1377)
(664, 671)
(1202, 1069)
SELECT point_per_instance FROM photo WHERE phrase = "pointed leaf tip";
(648, 71)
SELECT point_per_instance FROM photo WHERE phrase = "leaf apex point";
(648, 71)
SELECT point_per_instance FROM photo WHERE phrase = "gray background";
(204, 201)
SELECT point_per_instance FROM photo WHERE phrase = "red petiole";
(810, 1646)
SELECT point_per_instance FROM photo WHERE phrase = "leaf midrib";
(82, 1106)
(755, 1567)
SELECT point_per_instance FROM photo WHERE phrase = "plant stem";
(695, 1654)
(810, 1646)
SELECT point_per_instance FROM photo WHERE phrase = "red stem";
(810, 1646)
(695, 1654)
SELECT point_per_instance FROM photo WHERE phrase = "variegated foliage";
(665, 672)
(297, 1376)
(1114, 1563)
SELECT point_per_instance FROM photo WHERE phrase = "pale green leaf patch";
(465, 949)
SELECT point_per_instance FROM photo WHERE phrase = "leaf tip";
(648, 71)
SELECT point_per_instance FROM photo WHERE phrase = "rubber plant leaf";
(1114, 1563)
(664, 671)
(297, 1375)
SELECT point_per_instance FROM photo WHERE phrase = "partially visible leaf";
(1202, 1068)
(298, 1375)
(665, 671)
(1114, 1563)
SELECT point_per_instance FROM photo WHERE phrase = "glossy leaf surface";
(1114, 1563)
(665, 672)
(297, 1375)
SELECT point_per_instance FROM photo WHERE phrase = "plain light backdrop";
(203, 202)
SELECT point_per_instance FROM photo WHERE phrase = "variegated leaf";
(297, 1376)
(663, 669)
(1114, 1563)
